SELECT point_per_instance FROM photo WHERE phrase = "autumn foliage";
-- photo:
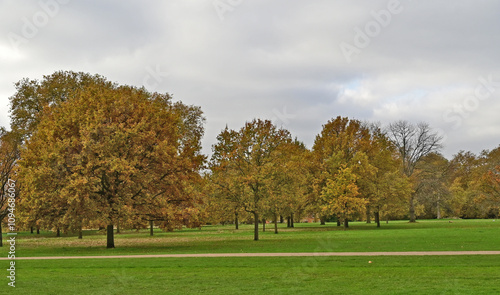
(111, 154)
(89, 153)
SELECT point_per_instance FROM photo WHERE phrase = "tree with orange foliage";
(109, 153)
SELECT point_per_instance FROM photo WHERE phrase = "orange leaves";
(491, 184)
(110, 152)
(492, 177)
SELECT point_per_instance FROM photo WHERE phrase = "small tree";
(341, 196)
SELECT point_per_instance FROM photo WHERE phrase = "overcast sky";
(299, 63)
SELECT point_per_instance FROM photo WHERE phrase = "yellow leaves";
(342, 194)
(109, 149)
(258, 168)
(368, 155)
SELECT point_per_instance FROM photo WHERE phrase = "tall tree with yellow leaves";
(251, 157)
(341, 195)
(110, 153)
(343, 143)
(289, 186)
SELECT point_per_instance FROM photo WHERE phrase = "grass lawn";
(284, 275)
(265, 275)
(427, 235)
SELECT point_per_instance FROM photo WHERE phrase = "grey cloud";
(277, 58)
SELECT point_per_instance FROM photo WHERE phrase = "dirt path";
(420, 253)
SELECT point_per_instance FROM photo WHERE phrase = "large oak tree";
(107, 153)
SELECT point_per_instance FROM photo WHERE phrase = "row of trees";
(90, 153)
(467, 186)
(355, 170)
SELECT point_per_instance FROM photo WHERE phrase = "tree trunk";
(80, 233)
(264, 225)
(281, 219)
(118, 227)
(288, 223)
(37, 230)
(291, 221)
(368, 215)
(322, 220)
(377, 218)
(31, 230)
(275, 223)
(58, 233)
(338, 222)
(151, 227)
(387, 220)
(256, 226)
(438, 209)
(346, 223)
(236, 221)
(110, 237)
(1, 235)
(412, 208)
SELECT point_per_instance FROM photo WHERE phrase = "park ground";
(455, 274)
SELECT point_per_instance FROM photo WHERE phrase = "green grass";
(428, 235)
(260, 275)
(284, 275)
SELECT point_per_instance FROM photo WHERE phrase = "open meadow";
(469, 274)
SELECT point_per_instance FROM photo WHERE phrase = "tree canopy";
(111, 154)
